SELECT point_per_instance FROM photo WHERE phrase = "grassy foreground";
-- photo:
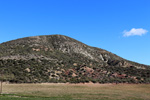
(75, 92)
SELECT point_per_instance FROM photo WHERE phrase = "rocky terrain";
(58, 58)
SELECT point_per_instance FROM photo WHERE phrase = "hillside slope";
(58, 58)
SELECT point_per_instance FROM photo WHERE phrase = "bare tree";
(5, 77)
(1, 80)
(1, 88)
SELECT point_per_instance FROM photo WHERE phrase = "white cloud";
(134, 31)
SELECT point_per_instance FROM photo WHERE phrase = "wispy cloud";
(134, 31)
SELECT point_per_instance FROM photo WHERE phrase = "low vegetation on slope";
(57, 58)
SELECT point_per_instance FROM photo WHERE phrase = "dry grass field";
(75, 92)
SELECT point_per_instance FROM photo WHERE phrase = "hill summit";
(58, 58)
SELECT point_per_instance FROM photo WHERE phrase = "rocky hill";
(58, 58)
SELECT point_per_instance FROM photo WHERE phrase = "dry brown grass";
(82, 91)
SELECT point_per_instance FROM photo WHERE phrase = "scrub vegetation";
(61, 59)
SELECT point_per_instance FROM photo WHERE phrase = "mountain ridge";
(60, 58)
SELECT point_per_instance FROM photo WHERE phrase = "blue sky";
(119, 26)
